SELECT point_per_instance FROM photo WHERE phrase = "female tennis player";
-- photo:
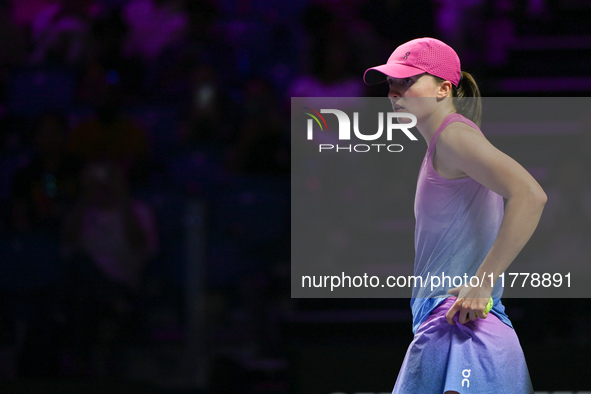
(462, 227)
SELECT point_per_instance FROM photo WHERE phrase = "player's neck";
(429, 125)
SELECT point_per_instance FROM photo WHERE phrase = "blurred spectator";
(500, 32)
(25, 11)
(109, 135)
(562, 244)
(202, 16)
(16, 154)
(390, 19)
(59, 32)
(202, 43)
(43, 190)
(108, 239)
(106, 67)
(565, 227)
(13, 39)
(209, 125)
(262, 146)
(154, 25)
(332, 68)
(117, 232)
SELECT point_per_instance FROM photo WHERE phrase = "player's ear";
(444, 89)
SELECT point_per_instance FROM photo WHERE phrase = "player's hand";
(470, 303)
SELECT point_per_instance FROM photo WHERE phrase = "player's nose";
(394, 93)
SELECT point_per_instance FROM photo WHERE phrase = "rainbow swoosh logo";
(316, 118)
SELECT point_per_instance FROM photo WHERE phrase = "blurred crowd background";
(145, 188)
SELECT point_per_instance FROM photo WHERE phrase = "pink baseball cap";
(416, 57)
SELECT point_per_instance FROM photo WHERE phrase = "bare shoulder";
(462, 151)
(456, 145)
(458, 134)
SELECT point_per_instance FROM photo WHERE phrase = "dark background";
(185, 103)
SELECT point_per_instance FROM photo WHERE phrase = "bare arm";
(464, 151)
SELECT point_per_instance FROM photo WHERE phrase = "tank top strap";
(453, 117)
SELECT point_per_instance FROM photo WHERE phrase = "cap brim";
(379, 74)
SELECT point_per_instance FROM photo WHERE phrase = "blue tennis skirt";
(482, 356)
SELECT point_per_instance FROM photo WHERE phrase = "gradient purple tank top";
(457, 221)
